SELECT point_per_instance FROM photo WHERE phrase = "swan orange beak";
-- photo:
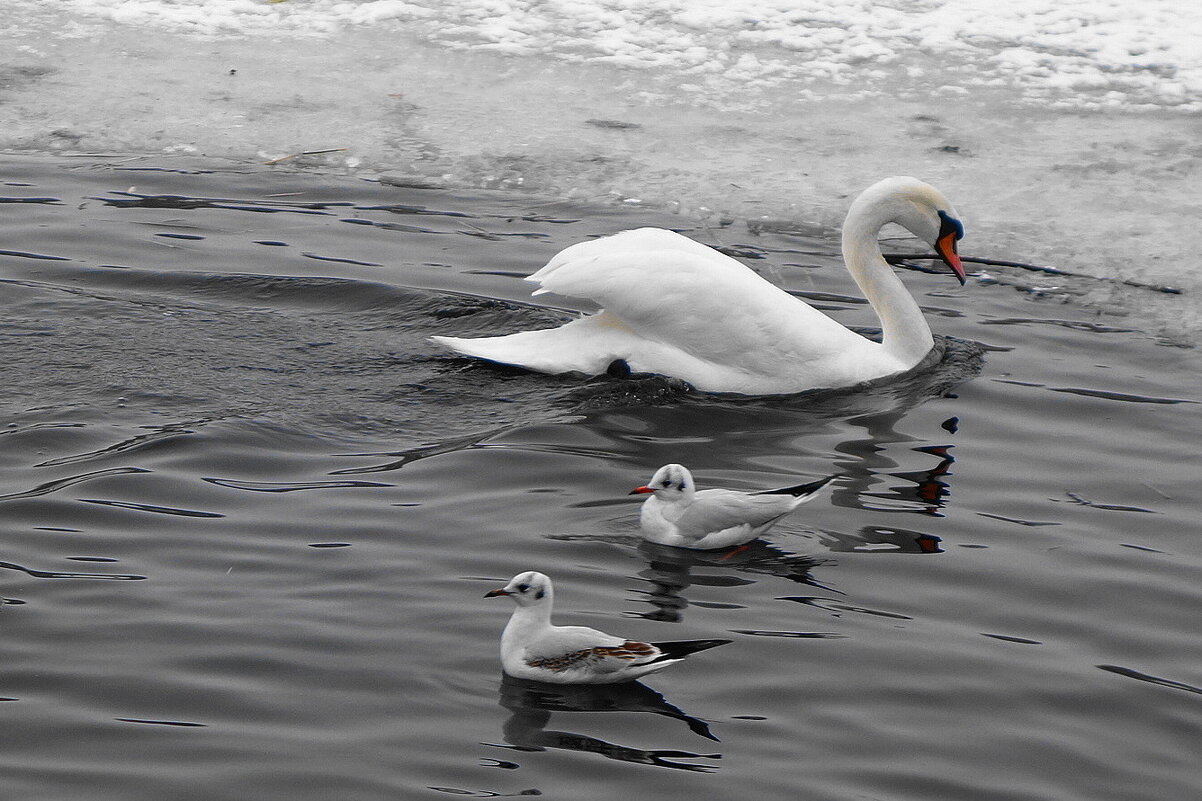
(641, 491)
(950, 230)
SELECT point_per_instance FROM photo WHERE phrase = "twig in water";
(1112, 507)
(898, 258)
(296, 155)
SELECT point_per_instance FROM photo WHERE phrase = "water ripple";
(62, 575)
(794, 635)
(831, 605)
(54, 486)
(1106, 394)
(136, 200)
(274, 486)
(162, 433)
(1018, 520)
(342, 260)
(146, 507)
(1076, 498)
(1135, 674)
(21, 254)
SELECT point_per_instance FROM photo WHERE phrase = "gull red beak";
(640, 491)
(495, 593)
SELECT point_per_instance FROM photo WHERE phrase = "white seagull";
(532, 648)
(680, 515)
(677, 308)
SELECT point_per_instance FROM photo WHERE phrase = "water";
(249, 517)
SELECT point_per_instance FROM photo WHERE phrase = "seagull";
(677, 514)
(532, 648)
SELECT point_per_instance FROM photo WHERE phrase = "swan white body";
(532, 648)
(679, 514)
(675, 307)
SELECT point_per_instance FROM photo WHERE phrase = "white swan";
(675, 307)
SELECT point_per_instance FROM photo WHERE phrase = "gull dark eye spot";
(523, 587)
(538, 596)
(667, 483)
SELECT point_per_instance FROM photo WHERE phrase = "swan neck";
(905, 333)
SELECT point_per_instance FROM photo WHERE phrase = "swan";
(678, 308)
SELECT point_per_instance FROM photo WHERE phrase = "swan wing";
(638, 240)
(676, 299)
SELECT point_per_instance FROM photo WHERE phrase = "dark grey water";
(247, 517)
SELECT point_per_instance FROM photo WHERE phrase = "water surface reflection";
(531, 705)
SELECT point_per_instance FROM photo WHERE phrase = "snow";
(1076, 53)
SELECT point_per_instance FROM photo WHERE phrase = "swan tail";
(581, 346)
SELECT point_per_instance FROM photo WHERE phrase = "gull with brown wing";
(533, 648)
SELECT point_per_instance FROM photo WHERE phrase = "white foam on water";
(1065, 132)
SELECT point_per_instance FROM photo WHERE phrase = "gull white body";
(678, 514)
(675, 307)
(533, 648)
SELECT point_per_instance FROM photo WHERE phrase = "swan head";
(919, 208)
(526, 589)
(670, 482)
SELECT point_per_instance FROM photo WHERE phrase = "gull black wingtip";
(679, 649)
(802, 489)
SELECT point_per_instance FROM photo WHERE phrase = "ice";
(1065, 132)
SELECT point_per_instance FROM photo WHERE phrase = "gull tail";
(806, 491)
(679, 649)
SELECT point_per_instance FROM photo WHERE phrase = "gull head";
(526, 589)
(670, 482)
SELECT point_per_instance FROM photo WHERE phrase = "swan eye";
(949, 224)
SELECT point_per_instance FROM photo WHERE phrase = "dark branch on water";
(905, 259)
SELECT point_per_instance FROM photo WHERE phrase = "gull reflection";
(670, 571)
(881, 539)
(867, 462)
(532, 703)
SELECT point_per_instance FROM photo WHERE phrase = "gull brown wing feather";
(630, 651)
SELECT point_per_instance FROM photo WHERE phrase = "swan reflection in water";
(532, 703)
